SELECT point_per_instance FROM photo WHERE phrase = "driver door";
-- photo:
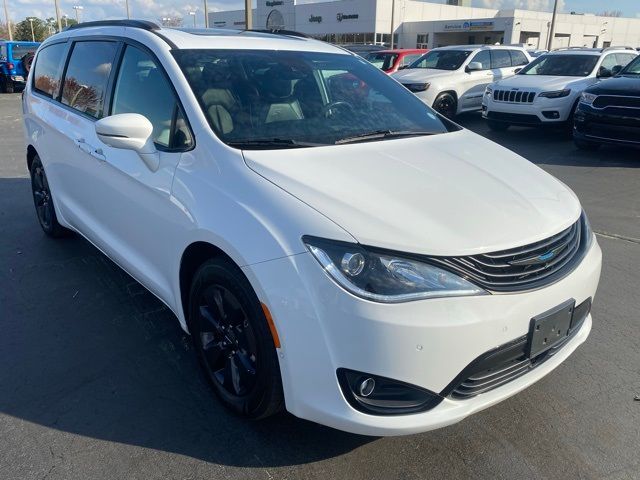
(476, 81)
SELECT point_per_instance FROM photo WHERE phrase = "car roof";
(478, 47)
(404, 50)
(207, 38)
(588, 51)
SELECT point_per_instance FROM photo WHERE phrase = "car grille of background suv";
(523, 268)
(513, 96)
(603, 101)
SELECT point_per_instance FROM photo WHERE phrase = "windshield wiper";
(258, 143)
(382, 134)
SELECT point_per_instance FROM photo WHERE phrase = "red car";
(392, 60)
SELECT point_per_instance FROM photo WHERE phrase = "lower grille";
(523, 268)
(519, 118)
(513, 96)
(506, 363)
(624, 133)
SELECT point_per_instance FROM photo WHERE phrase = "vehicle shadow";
(85, 349)
(559, 148)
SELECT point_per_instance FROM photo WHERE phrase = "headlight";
(385, 277)
(556, 94)
(417, 87)
(586, 230)
(587, 98)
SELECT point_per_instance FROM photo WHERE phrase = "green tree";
(41, 29)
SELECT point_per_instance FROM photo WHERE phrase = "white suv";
(452, 80)
(548, 89)
(333, 246)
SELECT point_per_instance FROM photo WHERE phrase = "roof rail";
(276, 31)
(618, 48)
(143, 24)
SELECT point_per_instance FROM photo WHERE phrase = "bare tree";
(610, 13)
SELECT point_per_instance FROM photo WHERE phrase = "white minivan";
(452, 80)
(333, 246)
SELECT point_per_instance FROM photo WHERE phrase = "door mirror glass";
(474, 67)
(604, 72)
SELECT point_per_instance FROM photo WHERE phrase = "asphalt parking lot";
(98, 381)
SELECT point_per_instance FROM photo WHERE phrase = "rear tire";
(586, 145)
(446, 104)
(233, 340)
(43, 201)
(497, 126)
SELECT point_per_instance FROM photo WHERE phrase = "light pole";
(206, 15)
(6, 16)
(66, 20)
(78, 9)
(126, 2)
(33, 37)
(393, 11)
(58, 16)
(552, 29)
(193, 14)
(248, 14)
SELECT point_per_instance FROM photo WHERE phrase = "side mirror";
(129, 131)
(474, 67)
(517, 70)
(604, 72)
(616, 70)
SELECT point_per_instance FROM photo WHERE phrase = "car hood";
(542, 83)
(409, 75)
(448, 194)
(628, 86)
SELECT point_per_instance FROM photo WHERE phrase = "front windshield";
(442, 59)
(19, 51)
(633, 68)
(301, 98)
(561, 65)
(384, 61)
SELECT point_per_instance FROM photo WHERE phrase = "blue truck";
(15, 62)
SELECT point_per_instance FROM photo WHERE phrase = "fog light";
(367, 386)
(551, 114)
(384, 396)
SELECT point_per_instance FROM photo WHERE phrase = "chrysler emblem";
(538, 259)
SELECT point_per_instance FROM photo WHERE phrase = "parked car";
(390, 61)
(363, 49)
(609, 112)
(547, 90)
(452, 80)
(356, 259)
(536, 53)
(15, 61)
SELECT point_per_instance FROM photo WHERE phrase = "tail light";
(10, 66)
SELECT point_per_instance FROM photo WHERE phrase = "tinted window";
(518, 58)
(20, 50)
(410, 58)
(624, 58)
(46, 73)
(633, 68)
(252, 98)
(384, 61)
(484, 58)
(85, 83)
(500, 59)
(142, 88)
(561, 65)
(3, 52)
(442, 59)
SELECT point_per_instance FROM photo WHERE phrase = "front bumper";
(424, 343)
(542, 111)
(611, 125)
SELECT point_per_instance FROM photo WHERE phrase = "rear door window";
(500, 59)
(47, 70)
(518, 58)
(483, 57)
(87, 76)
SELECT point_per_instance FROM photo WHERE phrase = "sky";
(157, 9)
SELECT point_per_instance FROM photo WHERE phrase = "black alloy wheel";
(446, 105)
(233, 340)
(43, 201)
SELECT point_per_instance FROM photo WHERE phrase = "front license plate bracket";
(549, 328)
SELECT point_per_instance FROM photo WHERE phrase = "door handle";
(99, 154)
(86, 148)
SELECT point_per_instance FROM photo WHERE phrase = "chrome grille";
(513, 96)
(522, 268)
(603, 101)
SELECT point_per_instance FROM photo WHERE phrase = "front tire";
(446, 104)
(233, 341)
(43, 201)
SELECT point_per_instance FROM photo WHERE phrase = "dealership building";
(423, 24)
